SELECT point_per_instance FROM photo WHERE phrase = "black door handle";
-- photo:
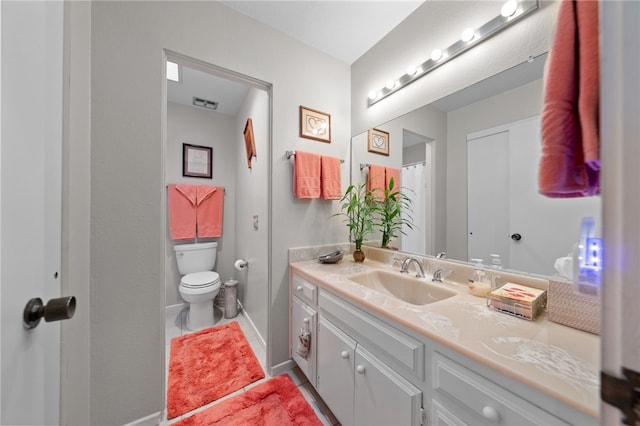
(55, 310)
(516, 237)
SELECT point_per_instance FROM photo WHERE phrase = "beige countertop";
(560, 361)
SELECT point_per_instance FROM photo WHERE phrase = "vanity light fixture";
(511, 12)
(468, 35)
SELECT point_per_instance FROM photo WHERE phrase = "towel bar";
(363, 166)
(289, 154)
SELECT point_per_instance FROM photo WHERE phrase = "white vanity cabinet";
(304, 316)
(359, 387)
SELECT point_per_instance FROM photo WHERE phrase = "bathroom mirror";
(471, 160)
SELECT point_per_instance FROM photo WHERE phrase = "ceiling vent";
(204, 103)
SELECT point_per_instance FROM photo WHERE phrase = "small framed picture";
(249, 142)
(315, 125)
(378, 141)
(196, 160)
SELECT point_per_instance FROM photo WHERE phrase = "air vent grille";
(205, 103)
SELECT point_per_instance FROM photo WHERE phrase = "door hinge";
(423, 416)
(623, 393)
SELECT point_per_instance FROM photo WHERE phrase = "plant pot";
(358, 255)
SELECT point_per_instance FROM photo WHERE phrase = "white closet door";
(488, 196)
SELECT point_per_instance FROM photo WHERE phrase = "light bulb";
(436, 54)
(390, 84)
(373, 95)
(411, 70)
(509, 8)
(468, 35)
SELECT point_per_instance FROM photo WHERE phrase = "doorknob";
(516, 237)
(55, 310)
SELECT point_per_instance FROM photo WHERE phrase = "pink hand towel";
(330, 178)
(210, 210)
(182, 211)
(391, 172)
(375, 180)
(570, 164)
(306, 179)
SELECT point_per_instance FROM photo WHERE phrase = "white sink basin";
(417, 291)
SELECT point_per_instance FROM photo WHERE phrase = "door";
(335, 357)
(30, 206)
(303, 320)
(382, 396)
(488, 196)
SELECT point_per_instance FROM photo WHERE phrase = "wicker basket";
(568, 307)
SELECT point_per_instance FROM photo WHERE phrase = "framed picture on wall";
(378, 141)
(249, 142)
(196, 161)
(315, 125)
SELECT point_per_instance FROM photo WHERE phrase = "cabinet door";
(382, 397)
(304, 317)
(335, 354)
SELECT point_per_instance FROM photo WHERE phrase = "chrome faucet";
(441, 255)
(440, 274)
(419, 268)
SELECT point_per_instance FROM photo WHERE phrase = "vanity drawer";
(305, 290)
(489, 403)
(392, 345)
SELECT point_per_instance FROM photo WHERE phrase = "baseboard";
(150, 420)
(174, 309)
(283, 367)
(246, 316)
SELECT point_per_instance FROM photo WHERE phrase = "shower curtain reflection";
(414, 184)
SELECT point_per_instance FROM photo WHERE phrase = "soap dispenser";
(479, 284)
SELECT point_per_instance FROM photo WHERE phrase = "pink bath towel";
(392, 172)
(330, 178)
(306, 175)
(182, 211)
(375, 180)
(210, 201)
(570, 161)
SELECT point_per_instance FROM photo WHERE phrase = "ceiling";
(324, 25)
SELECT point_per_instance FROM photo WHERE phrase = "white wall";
(197, 126)
(127, 185)
(252, 199)
(437, 24)
(513, 105)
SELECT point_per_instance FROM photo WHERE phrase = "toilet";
(199, 285)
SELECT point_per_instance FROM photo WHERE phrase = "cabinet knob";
(360, 369)
(299, 288)
(344, 354)
(490, 413)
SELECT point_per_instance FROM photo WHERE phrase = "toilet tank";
(196, 257)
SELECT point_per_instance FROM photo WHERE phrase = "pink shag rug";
(207, 365)
(276, 402)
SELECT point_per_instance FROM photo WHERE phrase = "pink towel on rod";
(570, 161)
(210, 211)
(331, 185)
(182, 211)
(392, 172)
(306, 175)
(375, 180)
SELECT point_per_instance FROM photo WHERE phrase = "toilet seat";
(200, 279)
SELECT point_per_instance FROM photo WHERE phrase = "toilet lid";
(200, 279)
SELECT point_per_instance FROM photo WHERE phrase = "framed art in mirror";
(378, 141)
(315, 125)
(249, 141)
(196, 161)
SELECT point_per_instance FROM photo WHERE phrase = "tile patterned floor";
(176, 326)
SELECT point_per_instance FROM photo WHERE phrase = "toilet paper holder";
(240, 264)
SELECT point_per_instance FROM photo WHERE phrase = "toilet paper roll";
(240, 264)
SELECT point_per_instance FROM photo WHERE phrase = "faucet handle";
(441, 274)
(397, 259)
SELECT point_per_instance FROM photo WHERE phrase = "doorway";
(210, 107)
